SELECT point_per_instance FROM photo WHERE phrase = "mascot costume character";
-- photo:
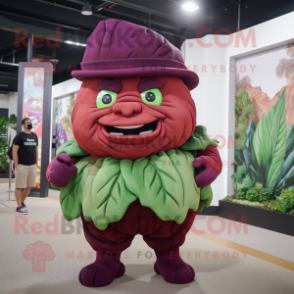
(138, 163)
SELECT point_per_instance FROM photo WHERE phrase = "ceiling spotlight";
(87, 9)
(75, 43)
(190, 6)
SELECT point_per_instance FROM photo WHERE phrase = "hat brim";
(190, 78)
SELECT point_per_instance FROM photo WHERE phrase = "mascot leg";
(107, 266)
(169, 264)
(173, 269)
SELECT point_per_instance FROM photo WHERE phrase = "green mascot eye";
(105, 98)
(152, 96)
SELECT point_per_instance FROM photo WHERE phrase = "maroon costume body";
(158, 234)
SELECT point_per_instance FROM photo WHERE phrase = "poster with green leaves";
(264, 131)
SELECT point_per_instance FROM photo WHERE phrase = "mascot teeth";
(132, 130)
(128, 127)
(116, 134)
(146, 132)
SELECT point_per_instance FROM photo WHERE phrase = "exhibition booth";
(250, 64)
(211, 126)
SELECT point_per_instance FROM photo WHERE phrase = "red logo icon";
(39, 253)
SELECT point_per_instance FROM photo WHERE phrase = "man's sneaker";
(23, 205)
(21, 210)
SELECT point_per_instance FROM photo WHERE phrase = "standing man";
(25, 157)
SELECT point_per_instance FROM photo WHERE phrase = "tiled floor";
(219, 269)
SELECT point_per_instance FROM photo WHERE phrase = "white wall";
(4, 101)
(12, 103)
(9, 101)
(65, 87)
(215, 95)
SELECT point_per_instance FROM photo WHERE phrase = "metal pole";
(239, 10)
(47, 98)
(30, 47)
(9, 180)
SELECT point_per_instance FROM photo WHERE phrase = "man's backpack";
(9, 153)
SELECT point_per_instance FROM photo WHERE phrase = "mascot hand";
(210, 161)
(62, 170)
(207, 176)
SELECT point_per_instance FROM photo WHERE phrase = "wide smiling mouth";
(132, 130)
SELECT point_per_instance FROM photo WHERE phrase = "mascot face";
(131, 118)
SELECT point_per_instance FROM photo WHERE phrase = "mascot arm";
(210, 162)
(61, 169)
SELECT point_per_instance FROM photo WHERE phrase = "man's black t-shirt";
(27, 148)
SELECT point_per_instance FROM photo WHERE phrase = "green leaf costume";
(103, 188)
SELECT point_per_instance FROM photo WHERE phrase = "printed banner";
(33, 106)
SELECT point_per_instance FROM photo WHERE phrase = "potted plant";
(5, 142)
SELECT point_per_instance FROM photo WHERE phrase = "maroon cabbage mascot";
(138, 162)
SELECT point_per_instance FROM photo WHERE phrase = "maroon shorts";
(158, 234)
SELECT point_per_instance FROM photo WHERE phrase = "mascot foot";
(172, 268)
(102, 272)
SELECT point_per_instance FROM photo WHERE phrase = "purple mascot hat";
(121, 49)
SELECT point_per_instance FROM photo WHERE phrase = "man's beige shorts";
(25, 176)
